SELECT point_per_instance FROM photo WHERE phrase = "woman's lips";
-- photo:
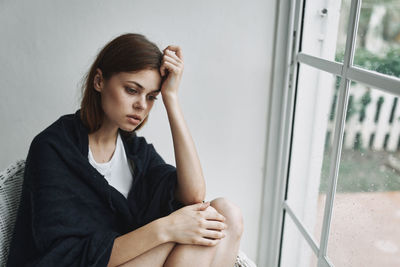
(133, 120)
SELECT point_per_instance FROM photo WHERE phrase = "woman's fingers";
(207, 241)
(213, 234)
(200, 206)
(215, 225)
(169, 53)
(210, 213)
(214, 215)
(162, 70)
(205, 205)
(172, 68)
(171, 60)
(176, 49)
(171, 64)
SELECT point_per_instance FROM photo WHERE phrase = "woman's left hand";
(172, 66)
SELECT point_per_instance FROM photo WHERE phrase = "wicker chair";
(10, 192)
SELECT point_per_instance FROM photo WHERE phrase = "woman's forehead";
(140, 74)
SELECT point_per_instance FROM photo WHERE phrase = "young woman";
(96, 194)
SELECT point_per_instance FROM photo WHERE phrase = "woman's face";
(128, 94)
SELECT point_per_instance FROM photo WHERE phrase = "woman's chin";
(128, 129)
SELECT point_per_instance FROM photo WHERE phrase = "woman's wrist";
(169, 98)
(163, 231)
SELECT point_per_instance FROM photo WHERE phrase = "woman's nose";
(140, 103)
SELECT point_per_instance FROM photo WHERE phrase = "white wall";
(46, 47)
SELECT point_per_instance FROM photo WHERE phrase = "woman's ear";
(98, 80)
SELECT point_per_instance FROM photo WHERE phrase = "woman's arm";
(192, 224)
(191, 186)
(137, 242)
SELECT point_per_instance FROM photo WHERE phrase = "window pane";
(366, 213)
(311, 144)
(295, 249)
(325, 28)
(378, 37)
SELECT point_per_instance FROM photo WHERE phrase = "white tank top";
(117, 171)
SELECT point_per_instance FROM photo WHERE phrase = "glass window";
(366, 212)
(311, 146)
(295, 250)
(363, 226)
(378, 37)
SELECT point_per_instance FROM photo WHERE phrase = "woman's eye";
(130, 90)
(133, 91)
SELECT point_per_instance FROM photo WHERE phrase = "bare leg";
(153, 257)
(223, 254)
(228, 248)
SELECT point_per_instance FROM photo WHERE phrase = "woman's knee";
(232, 213)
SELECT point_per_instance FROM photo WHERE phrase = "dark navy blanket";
(69, 215)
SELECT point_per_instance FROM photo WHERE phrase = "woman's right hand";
(197, 224)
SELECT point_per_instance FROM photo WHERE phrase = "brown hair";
(126, 53)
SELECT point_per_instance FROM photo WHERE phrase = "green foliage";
(365, 100)
(358, 107)
(361, 171)
(388, 64)
(351, 109)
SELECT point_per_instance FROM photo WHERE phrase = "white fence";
(373, 125)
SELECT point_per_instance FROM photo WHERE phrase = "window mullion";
(351, 36)
(339, 124)
(307, 235)
(387, 83)
(320, 63)
(324, 262)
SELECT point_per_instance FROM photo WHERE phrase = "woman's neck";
(105, 136)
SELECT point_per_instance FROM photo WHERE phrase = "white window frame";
(274, 206)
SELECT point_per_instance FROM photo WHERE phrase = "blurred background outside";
(366, 211)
